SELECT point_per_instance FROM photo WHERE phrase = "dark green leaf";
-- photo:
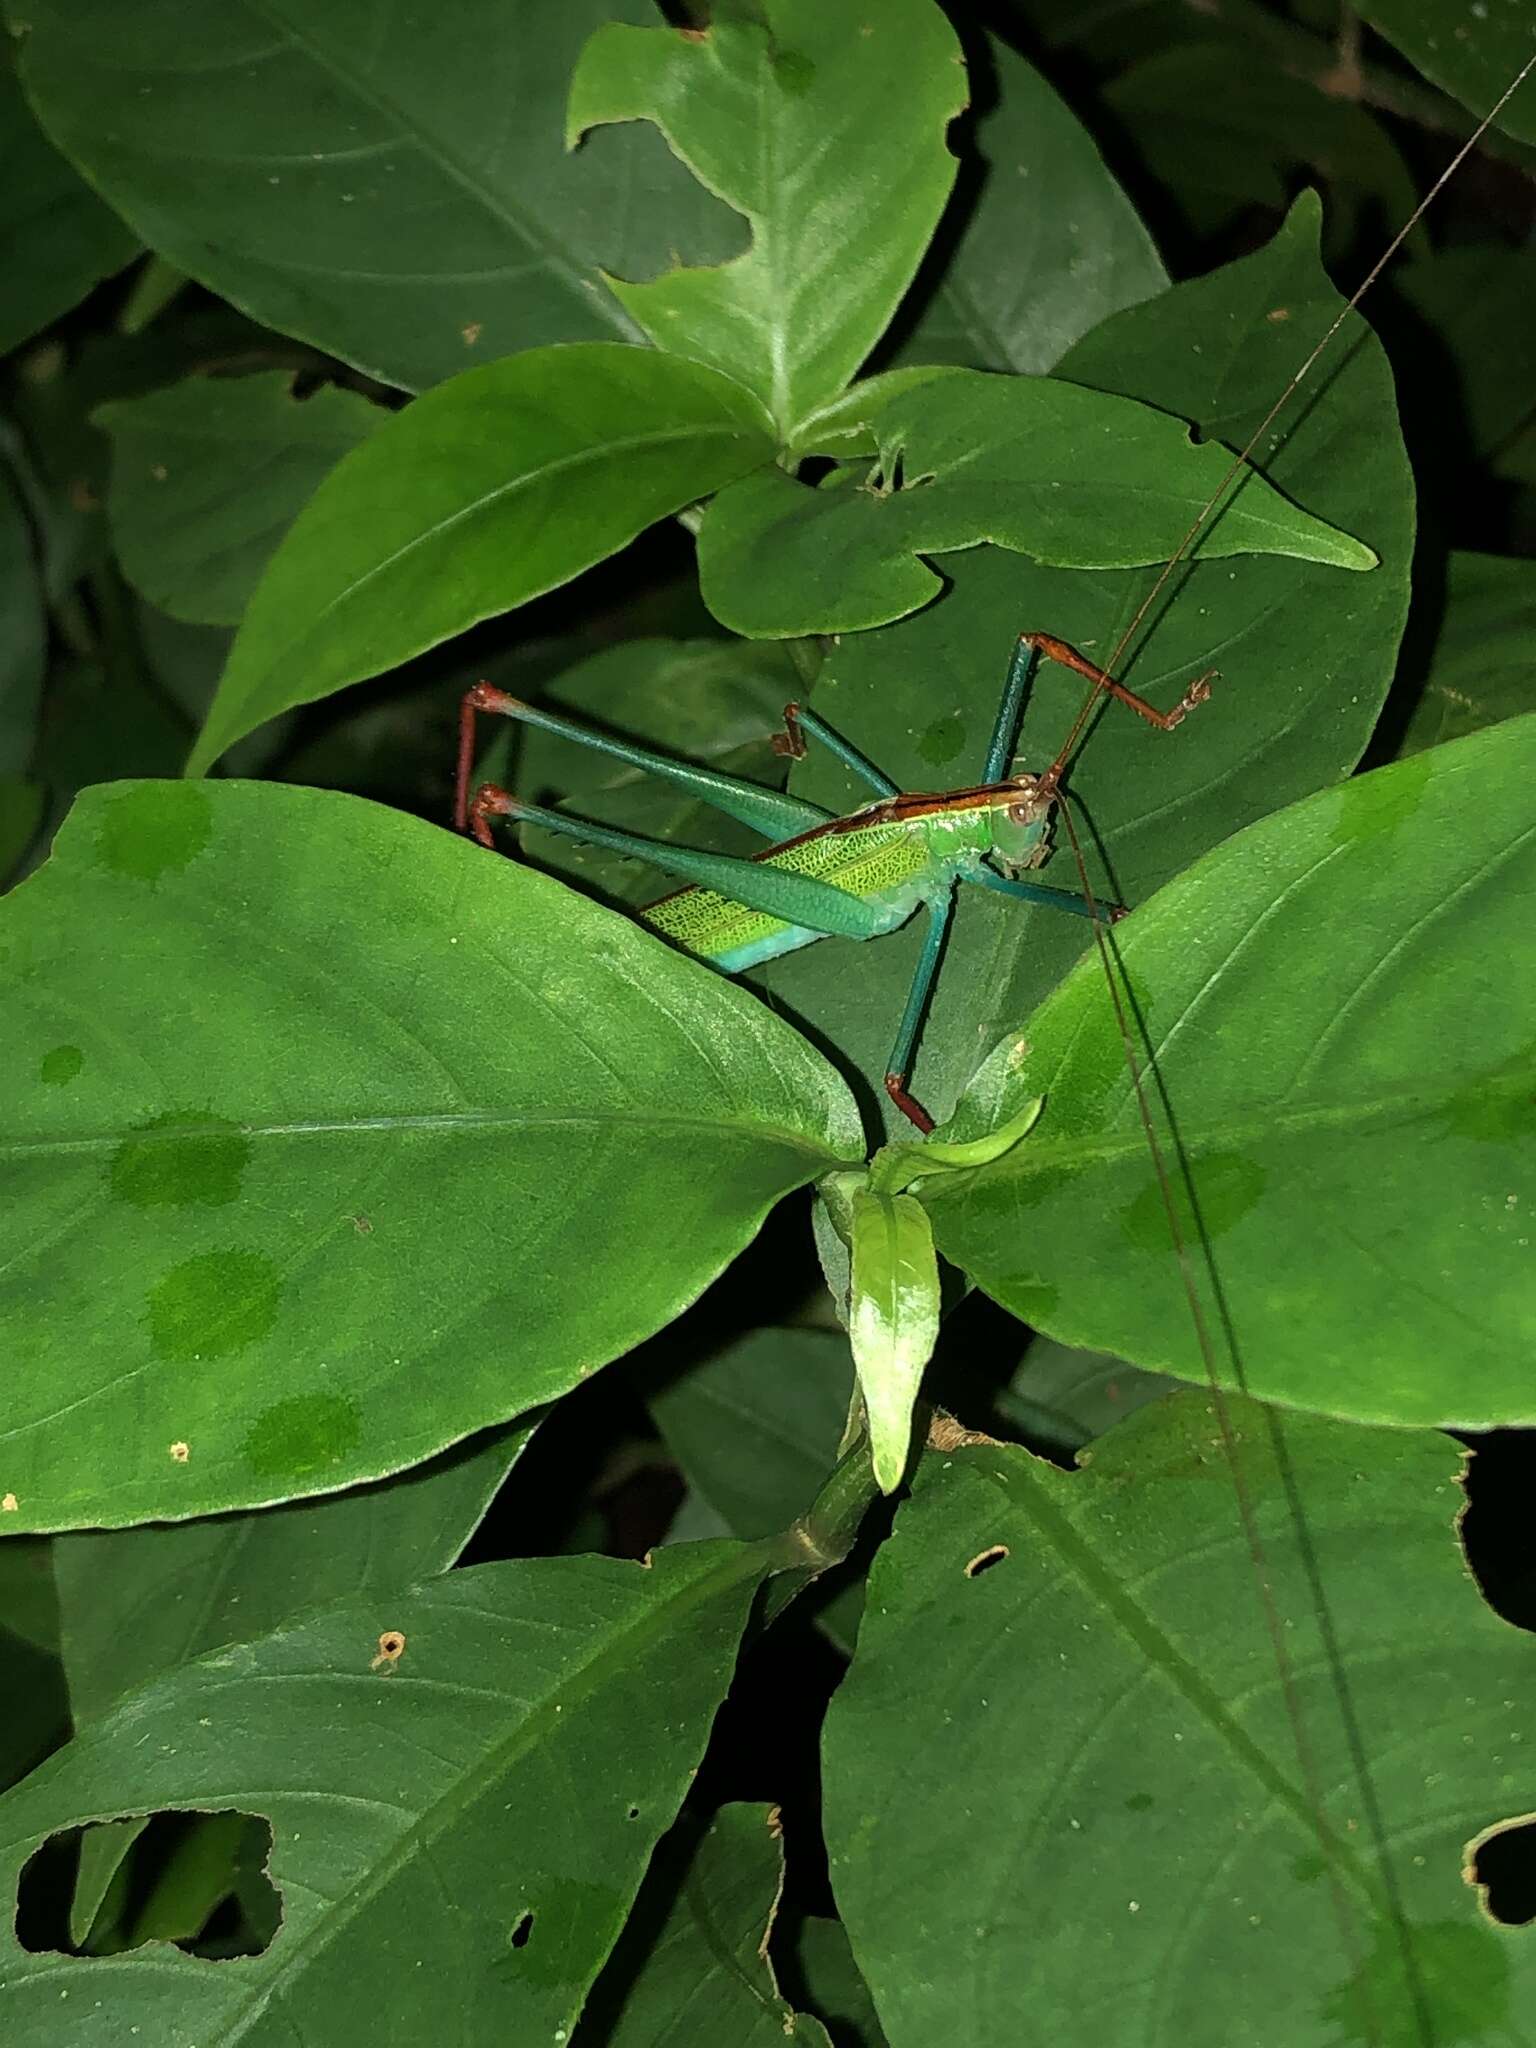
(505, 482)
(207, 476)
(756, 1426)
(23, 631)
(348, 1139)
(693, 1968)
(1065, 1734)
(56, 237)
(391, 189)
(484, 1807)
(1339, 1003)
(137, 1603)
(1474, 52)
(1483, 666)
(1048, 246)
(823, 126)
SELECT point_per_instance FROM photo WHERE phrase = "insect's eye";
(1022, 814)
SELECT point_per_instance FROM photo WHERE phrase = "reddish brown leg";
(1058, 650)
(490, 802)
(483, 697)
(910, 1107)
(791, 741)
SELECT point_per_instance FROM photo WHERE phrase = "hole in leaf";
(634, 1813)
(197, 1881)
(984, 1560)
(522, 1930)
(1505, 1867)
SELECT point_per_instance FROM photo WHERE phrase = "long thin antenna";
(1240, 461)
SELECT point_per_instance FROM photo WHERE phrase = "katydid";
(853, 877)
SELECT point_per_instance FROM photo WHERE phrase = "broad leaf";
(391, 189)
(207, 476)
(1120, 1817)
(484, 1804)
(825, 127)
(498, 486)
(135, 1604)
(1305, 655)
(56, 237)
(348, 1139)
(693, 1968)
(1045, 243)
(756, 1425)
(1074, 478)
(1338, 1002)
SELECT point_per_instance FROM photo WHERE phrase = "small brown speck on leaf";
(362, 1226)
(1280, 313)
(159, 472)
(9, 1505)
(472, 332)
(391, 1650)
(181, 1452)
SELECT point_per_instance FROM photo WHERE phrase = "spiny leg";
(1058, 651)
(1053, 899)
(774, 891)
(767, 811)
(791, 741)
(899, 1066)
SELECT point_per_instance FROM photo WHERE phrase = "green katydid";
(857, 876)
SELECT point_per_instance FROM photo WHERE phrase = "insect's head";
(1021, 822)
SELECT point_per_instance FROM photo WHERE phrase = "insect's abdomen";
(887, 865)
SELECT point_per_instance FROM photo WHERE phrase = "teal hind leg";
(798, 722)
(775, 891)
(899, 1066)
(768, 811)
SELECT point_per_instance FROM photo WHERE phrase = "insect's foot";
(791, 740)
(910, 1107)
(1198, 692)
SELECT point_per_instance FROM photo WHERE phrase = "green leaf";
(394, 191)
(1072, 477)
(348, 1138)
(1305, 656)
(1339, 1004)
(1120, 1814)
(207, 476)
(1048, 246)
(1484, 655)
(487, 1807)
(825, 127)
(1245, 132)
(137, 1603)
(756, 1425)
(1476, 57)
(507, 481)
(23, 632)
(693, 1968)
(893, 1320)
(56, 237)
